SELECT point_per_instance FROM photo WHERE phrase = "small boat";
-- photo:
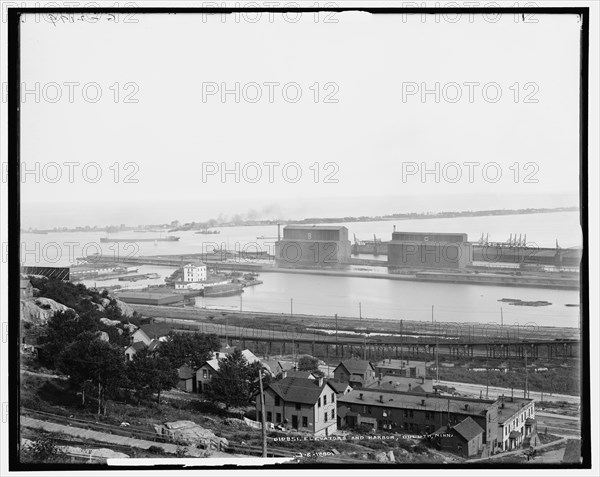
(572, 304)
(208, 232)
(265, 237)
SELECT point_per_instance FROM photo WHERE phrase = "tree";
(62, 329)
(308, 363)
(89, 359)
(192, 349)
(150, 373)
(232, 384)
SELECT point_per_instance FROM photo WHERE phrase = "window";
(298, 406)
(204, 374)
(304, 421)
(278, 418)
(324, 400)
(269, 416)
(325, 417)
(333, 414)
(319, 402)
(332, 397)
(369, 410)
(411, 413)
(277, 401)
(406, 413)
(364, 409)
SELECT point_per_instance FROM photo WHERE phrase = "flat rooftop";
(319, 227)
(398, 400)
(511, 407)
(399, 364)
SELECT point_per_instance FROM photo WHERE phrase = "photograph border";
(14, 265)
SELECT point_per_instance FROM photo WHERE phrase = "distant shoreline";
(194, 226)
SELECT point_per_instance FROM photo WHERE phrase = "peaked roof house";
(205, 373)
(341, 387)
(357, 372)
(133, 349)
(187, 379)
(137, 346)
(301, 404)
(147, 333)
(465, 438)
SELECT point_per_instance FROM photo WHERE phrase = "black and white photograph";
(293, 237)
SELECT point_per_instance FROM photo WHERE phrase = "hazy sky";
(369, 136)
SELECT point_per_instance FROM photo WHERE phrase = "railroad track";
(129, 431)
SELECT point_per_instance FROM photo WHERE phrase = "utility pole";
(526, 375)
(291, 307)
(241, 302)
(431, 313)
(501, 318)
(401, 342)
(263, 419)
(437, 357)
(360, 310)
(336, 328)
(487, 377)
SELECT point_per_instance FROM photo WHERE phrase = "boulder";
(381, 457)
(39, 310)
(104, 302)
(102, 335)
(391, 457)
(124, 308)
(190, 433)
(108, 322)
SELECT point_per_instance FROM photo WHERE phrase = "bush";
(156, 450)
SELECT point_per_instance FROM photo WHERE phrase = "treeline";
(92, 353)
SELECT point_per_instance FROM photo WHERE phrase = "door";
(295, 422)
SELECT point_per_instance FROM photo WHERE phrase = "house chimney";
(394, 228)
(320, 381)
(390, 361)
(284, 374)
(360, 396)
(422, 402)
(381, 398)
(422, 380)
(391, 382)
(466, 407)
(409, 386)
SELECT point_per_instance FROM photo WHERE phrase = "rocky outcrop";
(190, 433)
(105, 302)
(39, 310)
(108, 322)
(124, 308)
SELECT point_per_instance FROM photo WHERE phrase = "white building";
(194, 272)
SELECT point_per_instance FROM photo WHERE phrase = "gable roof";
(137, 346)
(292, 373)
(338, 386)
(301, 390)
(356, 366)
(156, 330)
(272, 365)
(185, 372)
(468, 428)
